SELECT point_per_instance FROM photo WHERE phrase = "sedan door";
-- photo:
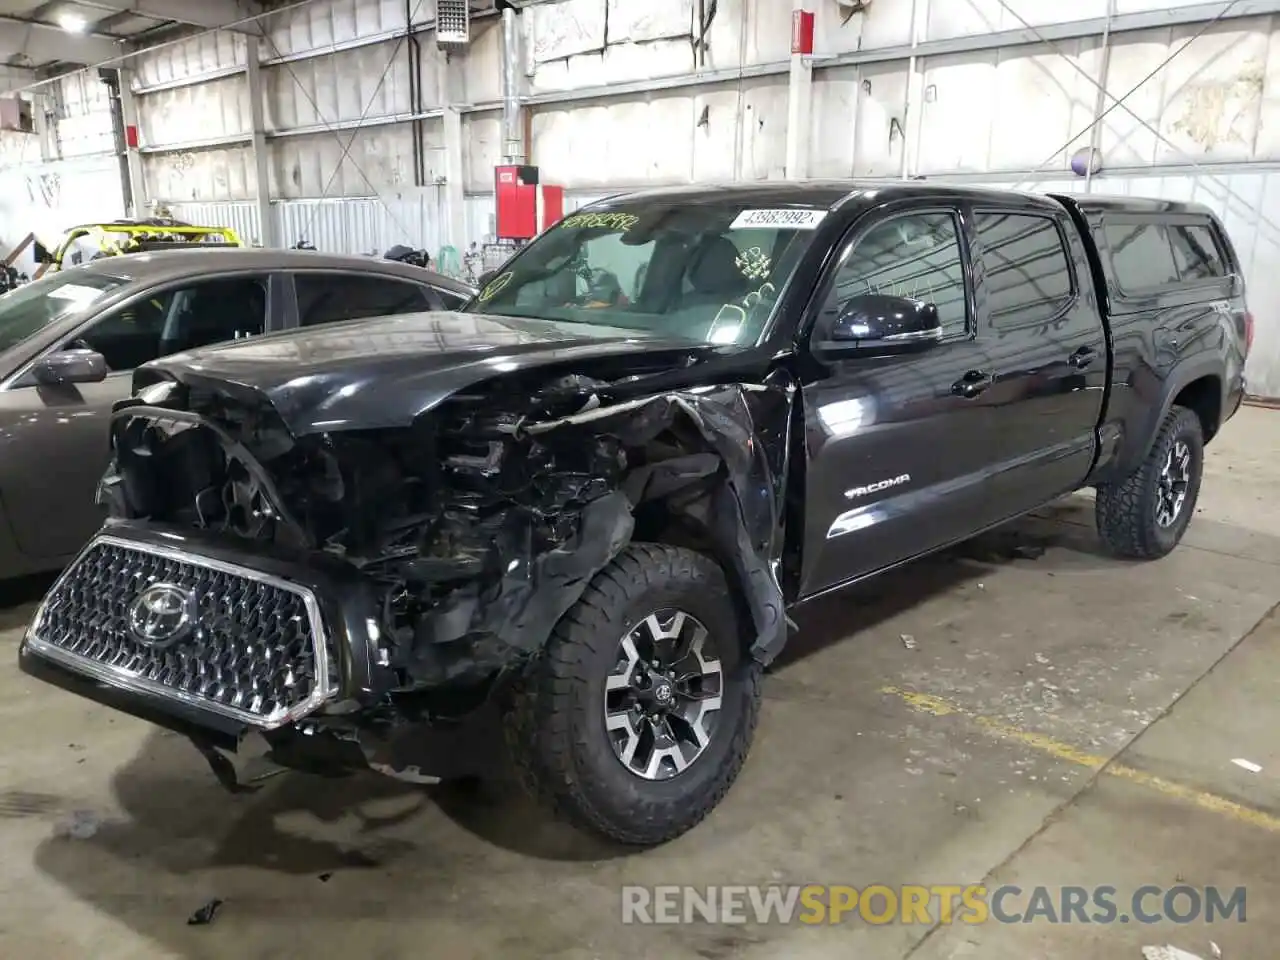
(54, 445)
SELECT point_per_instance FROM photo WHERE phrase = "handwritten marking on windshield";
(495, 287)
(753, 263)
(608, 221)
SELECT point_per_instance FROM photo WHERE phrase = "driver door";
(54, 444)
(898, 455)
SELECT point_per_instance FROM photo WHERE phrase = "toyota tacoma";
(589, 498)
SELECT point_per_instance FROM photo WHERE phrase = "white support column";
(261, 164)
(913, 108)
(455, 195)
(129, 111)
(799, 108)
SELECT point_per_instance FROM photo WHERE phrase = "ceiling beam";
(197, 13)
(42, 44)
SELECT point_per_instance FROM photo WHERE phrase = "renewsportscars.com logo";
(938, 903)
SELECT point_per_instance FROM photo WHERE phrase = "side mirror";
(42, 253)
(880, 324)
(70, 366)
(484, 278)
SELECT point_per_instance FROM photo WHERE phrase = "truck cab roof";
(837, 194)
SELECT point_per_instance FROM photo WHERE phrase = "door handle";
(972, 384)
(1082, 357)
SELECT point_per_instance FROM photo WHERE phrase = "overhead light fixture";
(72, 22)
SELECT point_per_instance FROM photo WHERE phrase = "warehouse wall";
(62, 174)
(628, 93)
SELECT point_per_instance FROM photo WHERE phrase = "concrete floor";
(971, 757)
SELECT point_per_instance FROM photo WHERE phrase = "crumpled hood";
(369, 374)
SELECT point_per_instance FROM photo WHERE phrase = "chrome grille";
(253, 649)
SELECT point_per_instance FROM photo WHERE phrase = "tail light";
(1248, 332)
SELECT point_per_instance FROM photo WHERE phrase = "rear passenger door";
(1048, 352)
(326, 297)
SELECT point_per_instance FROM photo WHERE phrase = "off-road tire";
(1125, 511)
(555, 727)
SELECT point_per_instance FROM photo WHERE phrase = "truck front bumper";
(251, 646)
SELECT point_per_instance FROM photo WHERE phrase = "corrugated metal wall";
(351, 225)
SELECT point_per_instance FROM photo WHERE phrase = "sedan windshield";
(27, 310)
(701, 271)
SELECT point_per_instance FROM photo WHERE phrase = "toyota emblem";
(161, 615)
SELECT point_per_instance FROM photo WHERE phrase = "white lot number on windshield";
(791, 219)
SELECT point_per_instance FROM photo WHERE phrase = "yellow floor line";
(938, 707)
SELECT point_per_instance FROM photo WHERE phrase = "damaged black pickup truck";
(590, 497)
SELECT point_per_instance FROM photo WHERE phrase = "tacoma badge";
(854, 492)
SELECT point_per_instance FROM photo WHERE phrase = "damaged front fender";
(740, 511)
(480, 525)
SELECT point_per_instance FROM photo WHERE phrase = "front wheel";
(1144, 516)
(637, 717)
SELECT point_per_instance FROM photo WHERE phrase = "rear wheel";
(1144, 516)
(637, 717)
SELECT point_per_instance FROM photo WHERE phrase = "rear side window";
(330, 297)
(1028, 274)
(1141, 256)
(1196, 252)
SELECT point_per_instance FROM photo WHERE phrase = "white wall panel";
(343, 86)
(48, 198)
(18, 149)
(857, 119)
(762, 34)
(380, 161)
(84, 118)
(327, 22)
(193, 113)
(637, 21)
(718, 133)
(217, 174)
(482, 149)
(966, 18)
(203, 54)
(1007, 109)
(481, 67)
(559, 31)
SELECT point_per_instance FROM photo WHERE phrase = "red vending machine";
(525, 206)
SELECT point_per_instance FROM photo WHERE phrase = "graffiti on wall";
(44, 189)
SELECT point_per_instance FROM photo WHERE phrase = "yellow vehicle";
(92, 240)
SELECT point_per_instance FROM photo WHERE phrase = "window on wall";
(331, 297)
(1027, 273)
(915, 256)
(1141, 255)
(1196, 252)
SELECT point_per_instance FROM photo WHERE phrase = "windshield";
(701, 271)
(28, 309)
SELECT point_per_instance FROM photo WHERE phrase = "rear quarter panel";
(1162, 342)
